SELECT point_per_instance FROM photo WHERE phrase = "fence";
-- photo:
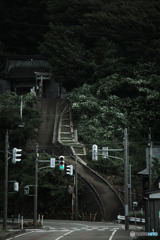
(131, 219)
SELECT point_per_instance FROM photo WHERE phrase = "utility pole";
(126, 178)
(76, 187)
(5, 183)
(73, 197)
(36, 187)
(150, 157)
(21, 108)
(130, 187)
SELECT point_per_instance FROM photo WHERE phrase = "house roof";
(26, 68)
(144, 172)
(154, 193)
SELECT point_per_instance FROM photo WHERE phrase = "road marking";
(112, 235)
(64, 235)
(19, 235)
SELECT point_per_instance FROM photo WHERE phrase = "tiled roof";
(26, 68)
(144, 172)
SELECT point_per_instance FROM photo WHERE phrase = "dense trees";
(10, 117)
(102, 111)
(53, 184)
(99, 38)
(54, 198)
(105, 53)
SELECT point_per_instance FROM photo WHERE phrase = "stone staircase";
(105, 195)
(59, 134)
(68, 135)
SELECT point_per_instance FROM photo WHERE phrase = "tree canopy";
(104, 52)
(94, 39)
(10, 117)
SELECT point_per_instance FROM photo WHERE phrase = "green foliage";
(104, 109)
(53, 195)
(10, 117)
(106, 53)
(108, 166)
(70, 61)
(8, 110)
(91, 40)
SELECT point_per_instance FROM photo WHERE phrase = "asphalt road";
(71, 230)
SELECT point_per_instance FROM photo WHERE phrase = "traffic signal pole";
(126, 178)
(5, 183)
(104, 154)
(36, 187)
(76, 188)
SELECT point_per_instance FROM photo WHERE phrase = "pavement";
(9, 233)
(12, 231)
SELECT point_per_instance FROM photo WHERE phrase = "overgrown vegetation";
(54, 199)
(106, 54)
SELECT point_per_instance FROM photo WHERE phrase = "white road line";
(64, 235)
(112, 235)
(19, 235)
(64, 230)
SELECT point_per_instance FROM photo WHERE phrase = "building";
(151, 196)
(152, 153)
(29, 73)
(152, 217)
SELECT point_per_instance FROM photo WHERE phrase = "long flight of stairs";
(68, 135)
(107, 198)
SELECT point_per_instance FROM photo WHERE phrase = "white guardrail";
(132, 219)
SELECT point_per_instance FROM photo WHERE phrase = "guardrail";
(131, 219)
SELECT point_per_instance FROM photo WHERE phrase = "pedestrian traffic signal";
(94, 152)
(52, 162)
(16, 186)
(16, 154)
(61, 162)
(69, 170)
(26, 190)
(104, 152)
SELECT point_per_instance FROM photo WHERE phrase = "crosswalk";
(87, 229)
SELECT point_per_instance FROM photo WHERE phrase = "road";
(75, 230)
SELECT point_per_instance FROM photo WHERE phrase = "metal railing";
(131, 219)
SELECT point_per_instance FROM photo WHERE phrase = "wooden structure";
(28, 73)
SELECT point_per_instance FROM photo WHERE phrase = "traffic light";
(52, 162)
(61, 162)
(16, 186)
(69, 170)
(104, 152)
(94, 152)
(26, 190)
(16, 154)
